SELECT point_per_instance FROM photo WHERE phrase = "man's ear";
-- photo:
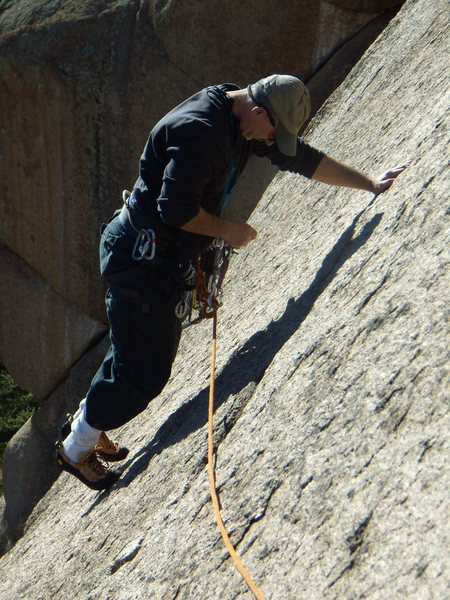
(257, 110)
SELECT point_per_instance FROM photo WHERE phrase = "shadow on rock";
(250, 362)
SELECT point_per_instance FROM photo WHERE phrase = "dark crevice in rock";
(421, 569)
(371, 294)
(381, 405)
(356, 539)
(347, 567)
(127, 554)
(235, 408)
(251, 520)
(320, 427)
(427, 445)
(355, 542)
(401, 417)
(305, 483)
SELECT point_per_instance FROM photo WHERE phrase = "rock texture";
(332, 389)
(68, 70)
(81, 85)
(29, 468)
(46, 321)
(276, 37)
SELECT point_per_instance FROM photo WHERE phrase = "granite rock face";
(81, 84)
(48, 323)
(332, 410)
(71, 117)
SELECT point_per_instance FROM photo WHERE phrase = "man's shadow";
(249, 363)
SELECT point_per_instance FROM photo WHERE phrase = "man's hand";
(234, 233)
(385, 181)
(239, 234)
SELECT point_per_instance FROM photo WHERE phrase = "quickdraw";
(203, 295)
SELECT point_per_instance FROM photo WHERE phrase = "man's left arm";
(333, 172)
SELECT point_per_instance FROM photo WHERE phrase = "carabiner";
(145, 245)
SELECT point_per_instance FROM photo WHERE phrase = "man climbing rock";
(190, 164)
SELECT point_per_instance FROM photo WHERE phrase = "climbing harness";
(203, 293)
(202, 280)
(212, 480)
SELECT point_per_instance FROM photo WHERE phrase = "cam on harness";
(203, 295)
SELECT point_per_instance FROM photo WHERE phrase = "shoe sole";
(101, 484)
(120, 455)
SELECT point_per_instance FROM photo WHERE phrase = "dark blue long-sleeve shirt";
(188, 159)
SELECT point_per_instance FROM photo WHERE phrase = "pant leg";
(144, 333)
(144, 336)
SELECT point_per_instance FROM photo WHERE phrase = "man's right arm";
(334, 172)
(234, 233)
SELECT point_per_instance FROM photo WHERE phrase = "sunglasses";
(269, 114)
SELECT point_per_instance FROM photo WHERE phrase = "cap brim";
(286, 141)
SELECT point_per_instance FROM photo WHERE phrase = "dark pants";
(144, 333)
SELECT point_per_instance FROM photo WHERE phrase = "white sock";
(80, 409)
(82, 438)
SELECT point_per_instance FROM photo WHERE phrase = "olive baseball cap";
(287, 98)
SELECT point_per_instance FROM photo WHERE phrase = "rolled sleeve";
(182, 188)
(305, 162)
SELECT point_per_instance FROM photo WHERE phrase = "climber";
(189, 166)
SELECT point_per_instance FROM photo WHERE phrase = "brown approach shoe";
(109, 450)
(88, 469)
(106, 448)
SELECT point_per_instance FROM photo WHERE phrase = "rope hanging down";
(212, 483)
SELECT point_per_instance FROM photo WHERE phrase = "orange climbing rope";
(212, 483)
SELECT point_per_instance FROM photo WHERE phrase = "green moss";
(16, 406)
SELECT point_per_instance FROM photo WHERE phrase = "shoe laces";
(94, 462)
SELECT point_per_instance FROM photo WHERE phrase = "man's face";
(259, 126)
